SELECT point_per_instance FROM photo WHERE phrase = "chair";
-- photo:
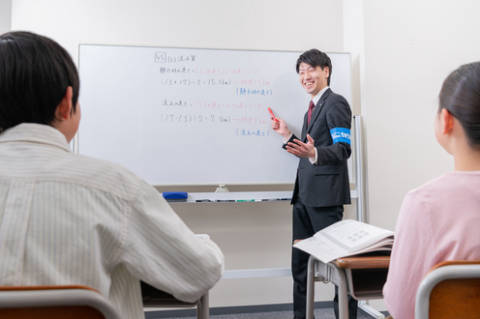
(54, 302)
(153, 297)
(450, 290)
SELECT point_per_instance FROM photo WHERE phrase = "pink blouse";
(438, 221)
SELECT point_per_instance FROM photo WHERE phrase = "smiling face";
(313, 79)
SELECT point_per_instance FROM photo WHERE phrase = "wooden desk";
(361, 276)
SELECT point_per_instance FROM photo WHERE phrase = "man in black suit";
(322, 185)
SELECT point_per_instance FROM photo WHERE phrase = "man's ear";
(327, 69)
(65, 107)
(447, 121)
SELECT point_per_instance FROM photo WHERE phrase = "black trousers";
(306, 222)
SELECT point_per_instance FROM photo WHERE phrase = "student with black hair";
(322, 184)
(439, 220)
(67, 219)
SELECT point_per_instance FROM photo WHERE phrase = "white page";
(344, 238)
(354, 235)
(322, 248)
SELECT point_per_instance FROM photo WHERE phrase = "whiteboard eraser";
(175, 196)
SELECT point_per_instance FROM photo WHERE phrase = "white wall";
(249, 24)
(5, 15)
(251, 235)
(353, 42)
(410, 47)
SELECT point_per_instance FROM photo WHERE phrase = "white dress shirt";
(315, 100)
(70, 219)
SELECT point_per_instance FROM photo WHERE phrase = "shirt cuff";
(314, 159)
(287, 139)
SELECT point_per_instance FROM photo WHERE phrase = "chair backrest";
(54, 302)
(450, 290)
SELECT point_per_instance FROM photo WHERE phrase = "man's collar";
(35, 133)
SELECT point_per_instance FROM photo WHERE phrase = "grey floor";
(322, 313)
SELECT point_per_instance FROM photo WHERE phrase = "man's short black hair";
(315, 57)
(35, 72)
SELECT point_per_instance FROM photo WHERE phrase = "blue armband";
(340, 135)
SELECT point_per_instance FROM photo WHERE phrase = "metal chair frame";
(451, 270)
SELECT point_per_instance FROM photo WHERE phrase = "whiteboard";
(182, 116)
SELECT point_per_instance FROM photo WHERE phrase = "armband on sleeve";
(340, 135)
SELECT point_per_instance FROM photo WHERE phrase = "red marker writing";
(271, 113)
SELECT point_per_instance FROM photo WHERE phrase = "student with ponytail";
(439, 220)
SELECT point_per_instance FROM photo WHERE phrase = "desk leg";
(310, 287)
(342, 295)
(203, 309)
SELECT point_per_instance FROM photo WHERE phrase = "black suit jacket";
(326, 183)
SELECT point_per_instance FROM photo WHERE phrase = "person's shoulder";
(439, 183)
(105, 176)
(337, 108)
(432, 191)
(337, 103)
(335, 97)
(420, 206)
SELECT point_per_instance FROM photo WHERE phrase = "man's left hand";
(300, 149)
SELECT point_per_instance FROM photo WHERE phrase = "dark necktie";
(310, 110)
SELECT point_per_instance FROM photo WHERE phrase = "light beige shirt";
(71, 219)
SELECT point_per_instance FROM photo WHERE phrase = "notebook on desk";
(346, 238)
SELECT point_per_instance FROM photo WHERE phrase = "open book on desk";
(346, 238)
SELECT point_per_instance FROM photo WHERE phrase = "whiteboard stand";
(357, 120)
